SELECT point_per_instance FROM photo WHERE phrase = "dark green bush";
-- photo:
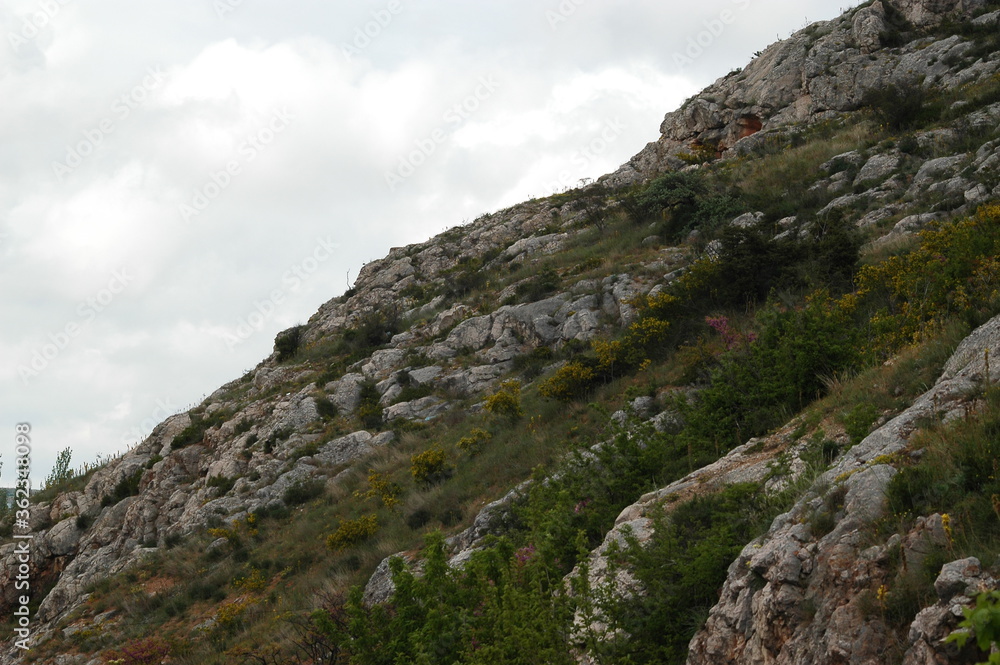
(195, 432)
(303, 491)
(897, 107)
(126, 487)
(418, 518)
(280, 434)
(682, 570)
(287, 343)
(370, 411)
(759, 386)
(223, 483)
(543, 284)
(327, 409)
(672, 199)
(858, 422)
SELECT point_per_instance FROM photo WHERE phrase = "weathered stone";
(547, 244)
(426, 408)
(958, 577)
(878, 168)
(382, 362)
(346, 393)
(472, 334)
(936, 170)
(868, 27)
(931, 12)
(747, 220)
(850, 158)
(425, 376)
(344, 449)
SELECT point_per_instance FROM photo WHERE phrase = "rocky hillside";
(732, 403)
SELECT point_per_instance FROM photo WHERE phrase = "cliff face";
(432, 329)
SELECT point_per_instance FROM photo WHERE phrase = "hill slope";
(716, 407)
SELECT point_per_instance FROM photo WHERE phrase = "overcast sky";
(181, 180)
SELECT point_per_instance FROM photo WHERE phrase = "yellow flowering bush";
(506, 401)
(430, 466)
(350, 532)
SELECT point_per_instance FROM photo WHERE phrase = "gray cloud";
(82, 85)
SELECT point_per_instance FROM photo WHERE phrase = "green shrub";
(538, 286)
(190, 435)
(530, 365)
(223, 483)
(672, 199)
(506, 401)
(126, 487)
(681, 571)
(308, 450)
(303, 491)
(467, 276)
(573, 380)
(370, 411)
(897, 107)
(195, 432)
(858, 422)
(287, 343)
(758, 387)
(326, 409)
(352, 532)
(474, 442)
(430, 466)
(418, 518)
(411, 393)
(981, 622)
(498, 608)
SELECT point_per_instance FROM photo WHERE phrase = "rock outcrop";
(813, 76)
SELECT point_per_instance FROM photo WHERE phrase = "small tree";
(61, 471)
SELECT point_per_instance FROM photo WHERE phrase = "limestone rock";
(878, 168)
(868, 27)
(930, 12)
